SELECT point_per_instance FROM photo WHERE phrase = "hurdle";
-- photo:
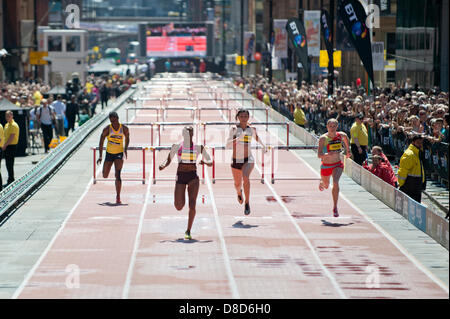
(131, 148)
(158, 109)
(227, 101)
(162, 124)
(272, 149)
(142, 99)
(252, 124)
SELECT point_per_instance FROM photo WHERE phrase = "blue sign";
(417, 215)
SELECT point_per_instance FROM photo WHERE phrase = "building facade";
(422, 43)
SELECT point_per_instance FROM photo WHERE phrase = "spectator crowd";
(59, 114)
(402, 110)
(384, 118)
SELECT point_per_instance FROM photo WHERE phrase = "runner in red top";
(329, 150)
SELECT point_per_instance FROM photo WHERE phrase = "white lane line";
(299, 230)
(399, 246)
(47, 249)
(137, 242)
(303, 235)
(126, 289)
(226, 257)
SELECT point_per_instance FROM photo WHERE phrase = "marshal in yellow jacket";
(411, 169)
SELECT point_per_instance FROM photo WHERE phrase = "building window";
(54, 43)
(73, 44)
(390, 76)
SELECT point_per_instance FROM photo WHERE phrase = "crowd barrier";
(417, 214)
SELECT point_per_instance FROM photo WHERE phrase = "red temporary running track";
(290, 246)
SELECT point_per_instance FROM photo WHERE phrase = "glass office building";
(422, 43)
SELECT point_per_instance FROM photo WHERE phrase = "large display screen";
(176, 40)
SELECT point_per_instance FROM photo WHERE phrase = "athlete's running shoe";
(118, 201)
(335, 212)
(247, 209)
(187, 235)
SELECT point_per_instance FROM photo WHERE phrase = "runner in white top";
(240, 138)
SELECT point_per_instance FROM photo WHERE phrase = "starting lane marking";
(403, 250)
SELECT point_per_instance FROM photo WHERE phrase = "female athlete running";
(187, 154)
(240, 138)
(329, 150)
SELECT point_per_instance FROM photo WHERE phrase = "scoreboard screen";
(176, 40)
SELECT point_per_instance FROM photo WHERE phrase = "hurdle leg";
(154, 166)
(273, 174)
(204, 134)
(262, 167)
(151, 134)
(159, 135)
(94, 165)
(143, 165)
(287, 136)
(214, 165)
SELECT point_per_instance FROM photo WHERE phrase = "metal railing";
(15, 193)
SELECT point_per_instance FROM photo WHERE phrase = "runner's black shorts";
(112, 157)
(185, 178)
(239, 163)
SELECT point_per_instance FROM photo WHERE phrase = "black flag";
(297, 35)
(354, 17)
(326, 32)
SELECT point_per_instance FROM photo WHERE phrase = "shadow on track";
(327, 223)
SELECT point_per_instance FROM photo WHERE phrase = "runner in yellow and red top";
(329, 150)
(188, 154)
(115, 133)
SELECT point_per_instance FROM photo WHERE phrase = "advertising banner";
(343, 41)
(326, 32)
(366, 177)
(356, 172)
(281, 38)
(354, 17)
(417, 215)
(312, 26)
(388, 195)
(297, 36)
(437, 228)
(377, 187)
(401, 203)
